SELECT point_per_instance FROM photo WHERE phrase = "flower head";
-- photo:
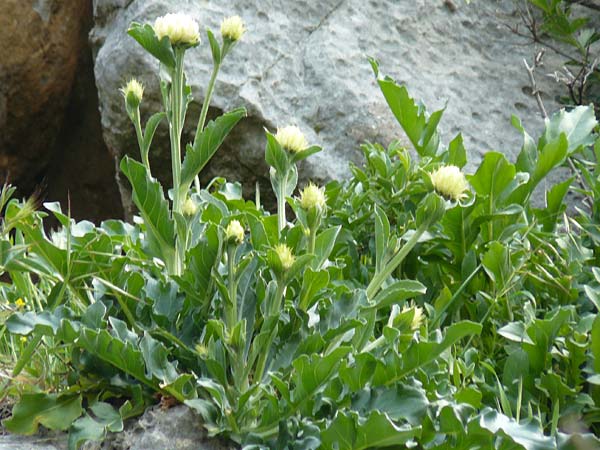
(233, 28)
(189, 207)
(235, 232)
(179, 28)
(312, 196)
(284, 253)
(291, 138)
(133, 92)
(417, 318)
(19, 303)
(449, 182)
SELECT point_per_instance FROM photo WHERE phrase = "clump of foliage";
(407, 307)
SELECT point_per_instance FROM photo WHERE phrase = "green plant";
(409, 306)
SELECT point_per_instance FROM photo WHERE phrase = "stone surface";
(304, 62)
(38, 59)
(178, 428)
(50, 136)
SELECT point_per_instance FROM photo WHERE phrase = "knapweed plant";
(410, 306)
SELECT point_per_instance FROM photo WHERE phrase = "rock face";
(305, 63)
(50, 135)
(38, 59)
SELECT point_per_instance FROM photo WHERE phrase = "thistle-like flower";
(291, 139)
(189, 207)
(133, 92)
(233, 28)
(179, 28)
(311, 197)
(234, 232)
(449, 182)
(284, 253)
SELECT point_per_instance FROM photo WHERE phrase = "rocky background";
(64, 129)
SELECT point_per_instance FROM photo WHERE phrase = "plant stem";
(140, 138)
(312, 239)
(176, 127)
(387, 270)
(231, 315)
(281, 220)
(204, 112)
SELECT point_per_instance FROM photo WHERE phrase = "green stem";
(281, 220)
(312, 239)
(140, 138)
(176, 127)
(204, 112)
(231, 315)
(387, 270)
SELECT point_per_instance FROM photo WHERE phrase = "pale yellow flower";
(312, 196)
(418, 316)
(133, 91)
(285, 256)
(189, 207)
(20, 303)
(235, 231)
(449, 182)
(179, 28)
(291, 138)
(233, 28)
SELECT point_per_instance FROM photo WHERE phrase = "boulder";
(305, 63)
(38, 59)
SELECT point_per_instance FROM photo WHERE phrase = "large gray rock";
(305, 62)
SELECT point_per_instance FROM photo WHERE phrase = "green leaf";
(157, 364)
(275, 155)
(420, 129)
(382, 237)
(146, 37)
(516, 332)
(94, 427)
(324, 245)
(150, 129)
(54, 411)
(148, 196)
(397, 292)
(215, 48)
(377, 430)
(206, 145)
(577, 125)
(457, 154)
(595, 343)
(312, 283)
(493, 176)
(496, 262)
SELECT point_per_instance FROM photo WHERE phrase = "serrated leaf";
(397, 292)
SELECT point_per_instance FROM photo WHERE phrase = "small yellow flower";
(201, 350)
(179, 28)
(189, 207)
(23, 339)
(285, 256)
(235, 232)
(19, 303)
(312, 196)
(449, 182)
(291, 139)
(133, 92)
(233, 28)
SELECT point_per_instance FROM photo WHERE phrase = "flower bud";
(179, 28)
(234, 232)
(449, 182)
(232, 28)
(311, 197)
(291, 139)
(417, 318)
(133, 92)
(189, 207)
(284, 253)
